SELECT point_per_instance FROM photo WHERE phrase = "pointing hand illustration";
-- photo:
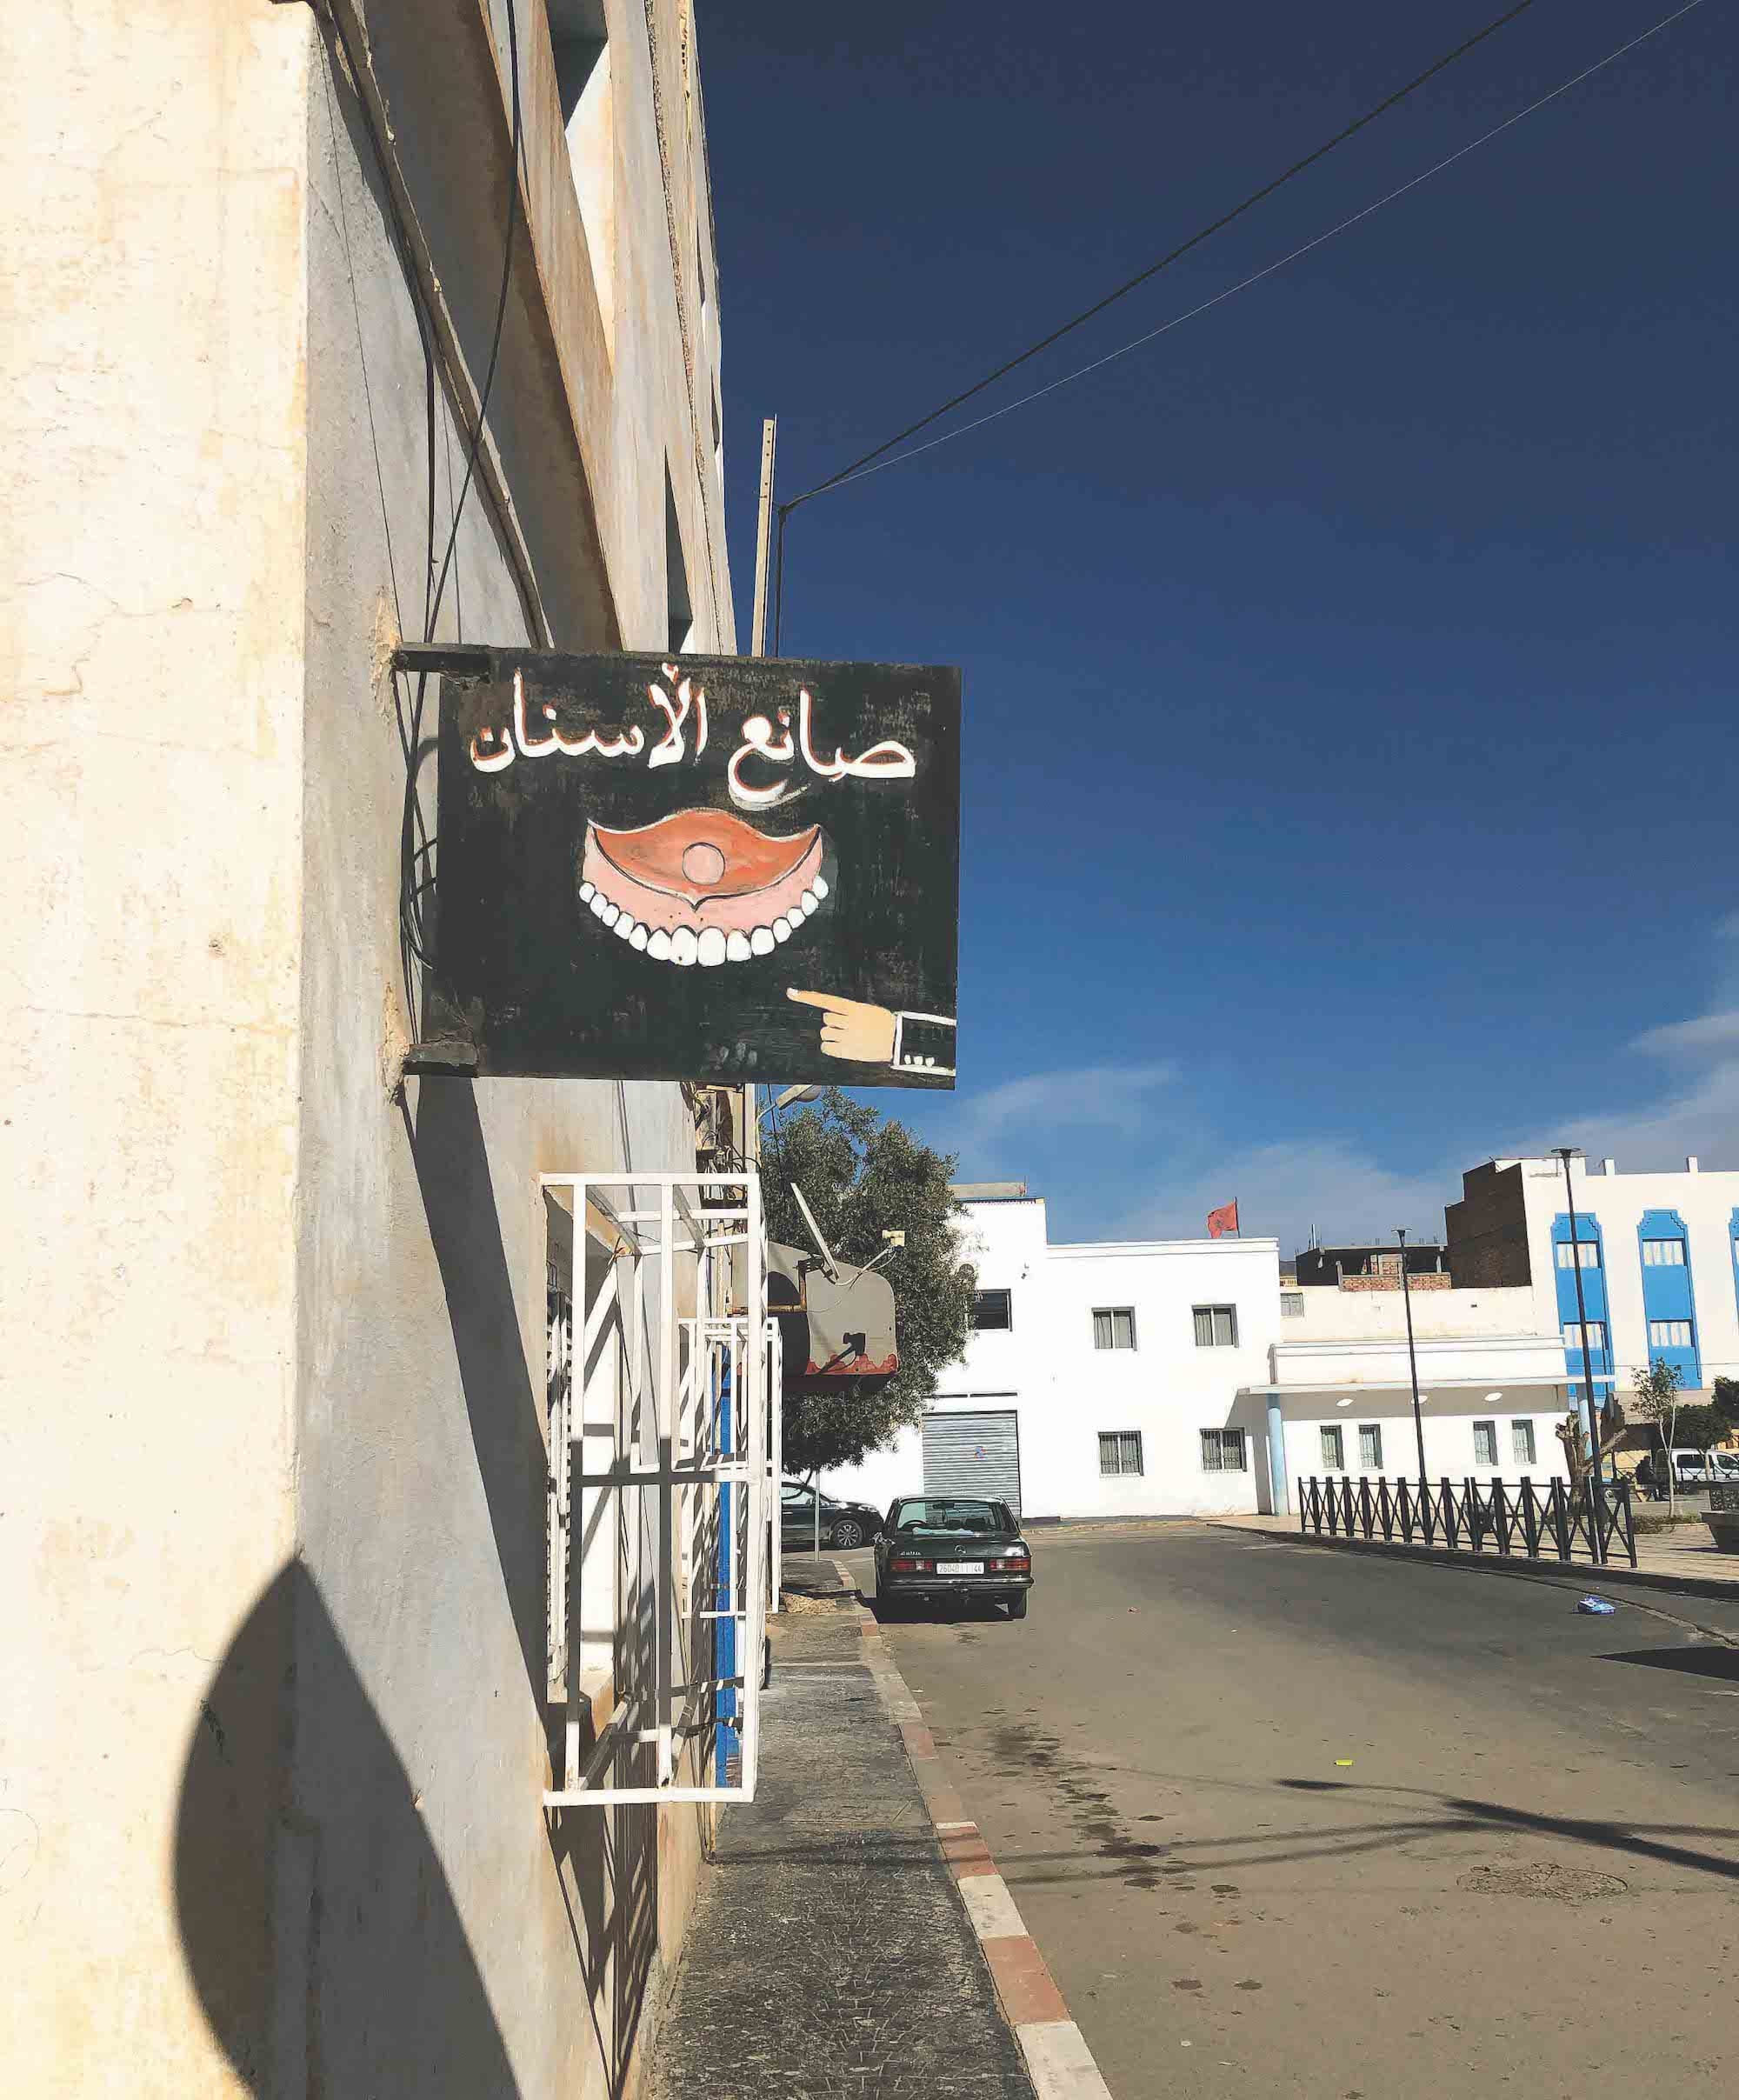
(849, 1028)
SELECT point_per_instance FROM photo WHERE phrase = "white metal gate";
(660, 1451)
(976, 1453)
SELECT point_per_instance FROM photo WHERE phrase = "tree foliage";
(1657, 1390)
(864, 1173)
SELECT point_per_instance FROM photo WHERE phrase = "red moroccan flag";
(1225, 1219)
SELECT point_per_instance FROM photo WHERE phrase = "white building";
(1109, 1379)
(1658, 1258)
(1177, 1377)
(1339, 1399)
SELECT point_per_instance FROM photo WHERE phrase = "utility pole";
(764, 527)
(1596, 1484)
(1413, 1369)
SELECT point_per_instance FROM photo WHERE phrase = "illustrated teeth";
(599, 901)
(612, 913)
(639, 939)
(683, 946)
(587, 893)
(819, 887)
(659, 946)
(761, 941)
(782, 929)
(736, 949)
(624, 927)
(710, 952)
(806, 903)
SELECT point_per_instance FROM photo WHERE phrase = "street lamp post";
(1597, 1484)
(1413, 1369)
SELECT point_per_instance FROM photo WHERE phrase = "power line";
(1165, 261)
(1269, 269)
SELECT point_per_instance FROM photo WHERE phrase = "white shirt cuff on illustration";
(924, 1043)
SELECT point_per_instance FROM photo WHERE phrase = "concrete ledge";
(1572, 1574)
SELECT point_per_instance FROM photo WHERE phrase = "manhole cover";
(1543, 1877)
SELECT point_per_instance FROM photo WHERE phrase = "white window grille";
(1521, 1442)
(1587, 1254)
(1485, 1444)
(1596, 1335)
(1114, 1327)
(1223, 1451)
(1292, 1304)
(664, 1387)
(1371, 1446)
(1663, 1254)
(1334, 1450)
(1669, 1334)
(1120, 1451)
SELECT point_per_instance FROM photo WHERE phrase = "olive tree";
(864, 1174)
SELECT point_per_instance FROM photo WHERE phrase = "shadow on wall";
(323, 1937)
(328, 1954)
(503, 1405)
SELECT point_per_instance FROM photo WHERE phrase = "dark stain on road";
(1092, 1808)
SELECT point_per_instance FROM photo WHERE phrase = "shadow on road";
(1722, 1662)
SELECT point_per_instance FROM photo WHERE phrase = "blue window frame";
(1669, 1296)
(1589, 1262)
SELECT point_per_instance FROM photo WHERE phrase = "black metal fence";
(1543, 1520)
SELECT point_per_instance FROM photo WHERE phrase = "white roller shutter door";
(977, 1454)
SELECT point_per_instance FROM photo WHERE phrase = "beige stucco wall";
(152, 523)
(271, 1750)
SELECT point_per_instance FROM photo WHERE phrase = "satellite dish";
(829, 1268)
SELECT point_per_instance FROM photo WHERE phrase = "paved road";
(1290, 1821)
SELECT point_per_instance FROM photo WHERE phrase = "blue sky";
(1349, 675)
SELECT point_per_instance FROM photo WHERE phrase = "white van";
(1691, 1468)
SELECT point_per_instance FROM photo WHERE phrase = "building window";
(1521, 1442)
(1596, 1335)
(1120, 1451)
(1292, 1304)
(1669, 1334)
(1216, 1326)
(1485, 1444)
(1223, 1451)
(1587, 1255)
(992, 1309)
(1663, 1254)
(1370, 1447)
(1114, 1327)
(1334, 1456)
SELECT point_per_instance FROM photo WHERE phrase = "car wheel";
(848, 1533)
(1017, 1606)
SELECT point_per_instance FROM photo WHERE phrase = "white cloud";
(1708, 1036)
(1111, 1096)
(1284, 1189)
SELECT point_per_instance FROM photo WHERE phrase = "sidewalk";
(1690, 1564)
(830, 1956)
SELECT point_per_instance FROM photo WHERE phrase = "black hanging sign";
(699, 867)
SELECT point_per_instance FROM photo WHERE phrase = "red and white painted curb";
(1058, 2058)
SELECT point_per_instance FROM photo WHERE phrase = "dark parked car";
(843, 1525)
(936, 1546)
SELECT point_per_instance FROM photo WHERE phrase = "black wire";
(1165, 261)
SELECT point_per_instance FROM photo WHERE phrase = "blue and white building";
(1657, 1254)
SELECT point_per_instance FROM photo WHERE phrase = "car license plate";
(960, 1567)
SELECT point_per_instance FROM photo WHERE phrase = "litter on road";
(1596, 1606)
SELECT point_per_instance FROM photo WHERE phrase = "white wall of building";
(271, 1396)
(1066, 1391)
